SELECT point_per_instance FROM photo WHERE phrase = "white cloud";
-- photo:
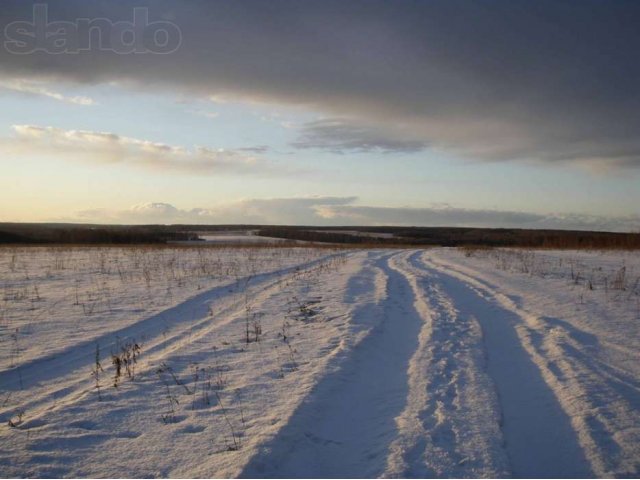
(22, 85)
(205, 113)
(299, 210)
(327, 210)
(447, 216)
(107, 147)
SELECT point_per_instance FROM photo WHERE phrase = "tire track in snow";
(602, 401)
(346, 424)
(450, 427)
(540, 439)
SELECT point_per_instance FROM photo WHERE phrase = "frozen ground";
(241, 237)
(279, 362)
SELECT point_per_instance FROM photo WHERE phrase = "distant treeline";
(454, 237)
(89, 234)
(56, 233)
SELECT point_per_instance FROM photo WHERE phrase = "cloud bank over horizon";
(345, 211)
(551, 82)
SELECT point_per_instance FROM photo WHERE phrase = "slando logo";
(138, 36)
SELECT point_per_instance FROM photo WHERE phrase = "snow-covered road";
(386, 363)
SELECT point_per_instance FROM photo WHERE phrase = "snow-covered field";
(303, 362)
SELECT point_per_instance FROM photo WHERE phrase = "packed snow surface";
(304, 362)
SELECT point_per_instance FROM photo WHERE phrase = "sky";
(487, 113)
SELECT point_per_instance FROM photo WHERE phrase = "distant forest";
(454, 237)
(38, 233)
(41, 233)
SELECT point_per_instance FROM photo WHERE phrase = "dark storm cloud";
(548, 81)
